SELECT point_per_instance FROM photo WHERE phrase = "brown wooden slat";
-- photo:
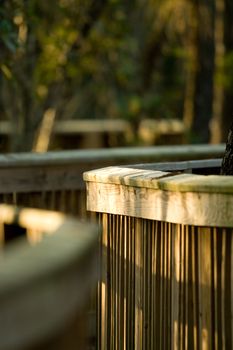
(172, 289)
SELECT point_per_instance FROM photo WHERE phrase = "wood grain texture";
(158, 179)
(191, 208)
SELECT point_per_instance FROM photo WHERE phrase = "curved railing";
(167, 255)
(45, 288)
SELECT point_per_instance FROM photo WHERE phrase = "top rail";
(123, 155)
(54, 180)
(171, 196)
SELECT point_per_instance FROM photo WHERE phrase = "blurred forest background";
(117, 59)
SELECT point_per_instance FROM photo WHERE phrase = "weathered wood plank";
(190, 208)
(157, 179)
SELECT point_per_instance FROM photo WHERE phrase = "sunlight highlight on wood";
(45, 131)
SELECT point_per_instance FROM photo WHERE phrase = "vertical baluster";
(127, 282)
(187, 295)
(175, 319)
(149, 281)
(204, 285)
(166, 283)
(228, 296)
(103, 288)
(158, 284)
(169, 279)
(144, 285)
(153, 287)
(181, 288)
(113, 281)
(99, 287)
(138, 284)
(117, 294)
(191, 297)
(121, 286)
(133, 281)
(162, 288)
(214, 287)
(231, 284)
(223, 291)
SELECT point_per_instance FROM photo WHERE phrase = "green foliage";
(8, 36)
(86, 58)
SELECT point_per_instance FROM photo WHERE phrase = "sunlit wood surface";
(167, 256)
(45, 288)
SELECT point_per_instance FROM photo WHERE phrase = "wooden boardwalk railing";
(167, 256)
(44, 288)
(54, 180)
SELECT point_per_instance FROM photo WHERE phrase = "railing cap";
(182, 198)
(151, 176)
(124, 154)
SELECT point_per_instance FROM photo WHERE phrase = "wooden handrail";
(123, 155)
(54, 180)
(167, 196)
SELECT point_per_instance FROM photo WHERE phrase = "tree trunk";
(203, 98)
(223, 107)
(218, 79)
(228, 93)
(191, 69)
(227, 162)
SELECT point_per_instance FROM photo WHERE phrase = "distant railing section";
(53, 180)
(166, 255)
(45, 288)
(98, 133)
(74, 134)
